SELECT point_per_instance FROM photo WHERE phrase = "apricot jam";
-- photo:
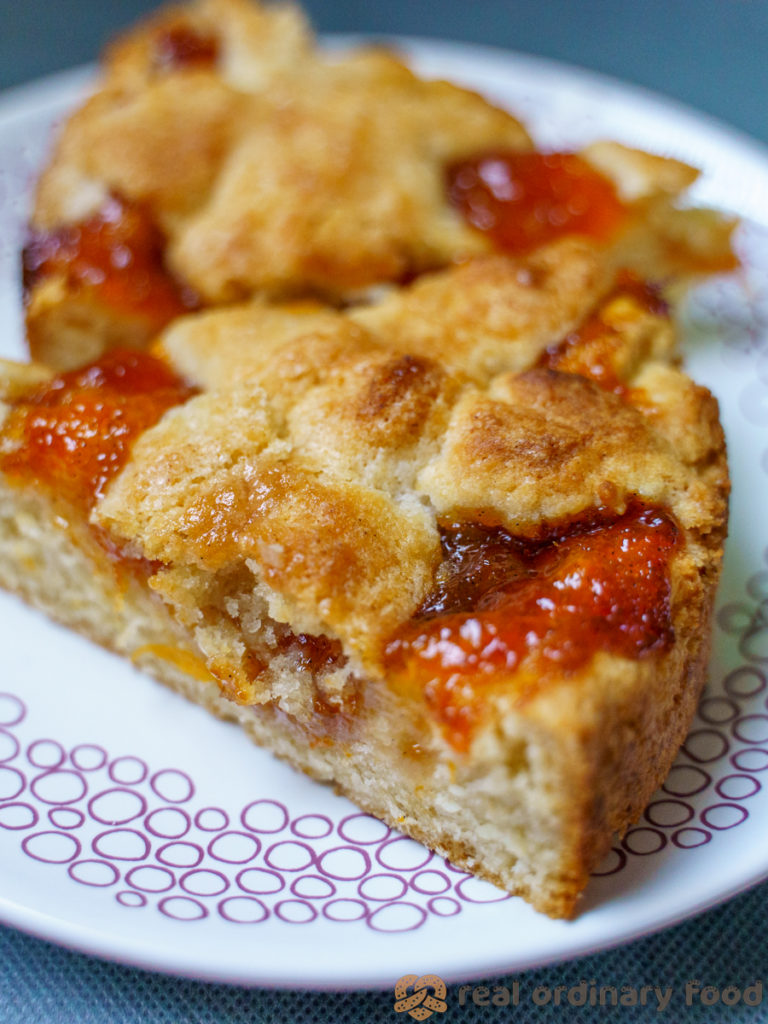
(590, 350)
(524, 200)
(182, 46)
(74, 434)
(600, 583)
(313, 653)
(318, 654)
(117, 252)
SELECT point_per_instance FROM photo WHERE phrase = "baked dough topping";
(323, 454)
(272, 169)
(327, 448)
(598, 348)
(503, 603)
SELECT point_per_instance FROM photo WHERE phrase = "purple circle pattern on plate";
(113, 824)
(119, 826)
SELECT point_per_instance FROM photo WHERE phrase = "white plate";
(136, 827)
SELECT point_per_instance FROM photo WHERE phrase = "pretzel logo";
(420, 1004)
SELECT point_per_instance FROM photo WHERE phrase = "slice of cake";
(223, 157)
(454, 551)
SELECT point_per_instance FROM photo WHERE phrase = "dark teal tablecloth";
(710, 53)
(724, 948)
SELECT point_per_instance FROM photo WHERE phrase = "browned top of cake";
(271, 167)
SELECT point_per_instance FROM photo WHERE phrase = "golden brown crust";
(494, 313)
(257, 44)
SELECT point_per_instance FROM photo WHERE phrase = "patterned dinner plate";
(136, 827)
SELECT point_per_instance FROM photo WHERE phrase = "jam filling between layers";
(502, 602)
(181, 47)
(591, 349)
(522, 200)
(118, 253)
(74, 433)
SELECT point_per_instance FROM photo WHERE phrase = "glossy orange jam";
(591, 349)
(182, 46)
(118, 252)
(501, 602)
(524, 200)
(74, 433)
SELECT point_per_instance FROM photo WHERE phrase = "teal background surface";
(708, 53)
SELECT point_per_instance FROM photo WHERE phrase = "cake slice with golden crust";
(223, 156)
(455, 552)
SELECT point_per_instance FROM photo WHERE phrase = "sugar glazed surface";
(365, 427)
